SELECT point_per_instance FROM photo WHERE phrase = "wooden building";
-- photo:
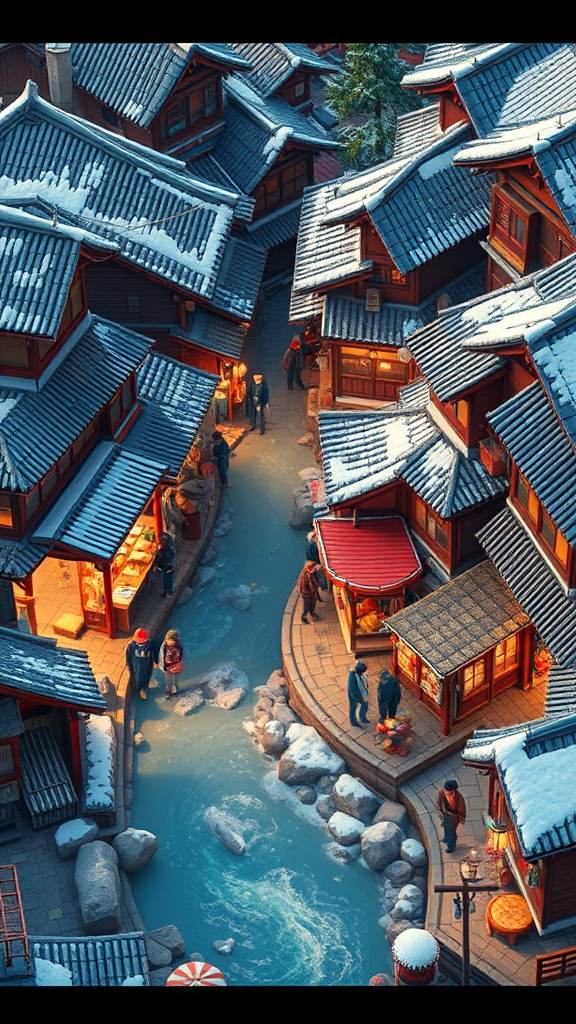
(532, 801)
(93, 427)
(45, 691)
(378, 253)
(462, 645)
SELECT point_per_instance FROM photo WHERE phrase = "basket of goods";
(398, 733)
(369, 623)
(365, 606)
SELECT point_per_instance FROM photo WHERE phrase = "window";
(6, 512)
(110, 116)
(14, 351)
(506, 655)
(473, 677)
(6, 760)
(514, 226)
(461, 410)
(526, 497)
(435, 529)
(175, 118)
(299, 89)
(133, 303)
(203, 103)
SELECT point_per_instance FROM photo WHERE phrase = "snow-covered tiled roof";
(554, 356)
(37, 264)
(37, 666)
(164, 221)
(461, 620)
(212, 332)
(86, 961)
(102, 501)
(37, 427)
(257, 131)
(19, 558)
(537, 767)
(347, 319)
(446, 62)
(513, 551)
(368, 449)
(136, 79)
(175, 399)
(272, 64)
(541, 450)
(416, 130)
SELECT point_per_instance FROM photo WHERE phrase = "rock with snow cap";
(225, 828)
(413, 853)
(346, 854)
(390, 810)
(272, 736)
(73, 834)
(222, 678)
(307, 757)
(346, 830)
(398, 872)
(325, 807)
(354, 798)
(188, 703)
(306, 794)
(224, 946)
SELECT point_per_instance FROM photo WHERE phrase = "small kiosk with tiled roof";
(463, 644)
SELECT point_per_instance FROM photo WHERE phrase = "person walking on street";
(221, 453)
(452, 807)
(357, 689)
(388, 696)
(309, 587)
(312, 547)
(170, 660)
(292, 365)
(165, 560)
(141, 657)
(257, 398)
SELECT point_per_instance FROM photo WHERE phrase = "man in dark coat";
(165, 560)
(357, 690)
(388, 696)
(257, 398)
(221, 453)
(452, 807)
(292, 365)
(141, 656)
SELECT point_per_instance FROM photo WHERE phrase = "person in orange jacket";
(452, 807)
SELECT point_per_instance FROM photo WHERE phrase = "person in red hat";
(292, 364)
(141, 656)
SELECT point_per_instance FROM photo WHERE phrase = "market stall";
(370, 561)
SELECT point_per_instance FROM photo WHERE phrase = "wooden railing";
(556, 966)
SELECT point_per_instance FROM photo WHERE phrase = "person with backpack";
(170, 660)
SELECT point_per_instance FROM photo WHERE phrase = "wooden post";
(445, 711)
(108, 602)
(467, 891)
(157, 504)
(74, 726)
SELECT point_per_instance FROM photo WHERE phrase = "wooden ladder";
(12, 927)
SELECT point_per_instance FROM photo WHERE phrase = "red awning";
(375, 557)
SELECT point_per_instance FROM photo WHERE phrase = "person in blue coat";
(388, 696)
(358, 693)
(141, 657)
(221, 453)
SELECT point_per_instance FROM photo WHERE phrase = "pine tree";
(370, 85)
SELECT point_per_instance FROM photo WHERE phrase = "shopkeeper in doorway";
(165, 560)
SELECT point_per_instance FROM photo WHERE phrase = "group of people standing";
(144, 654)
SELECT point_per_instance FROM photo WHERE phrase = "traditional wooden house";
(45, 693)
(92, 426)
(285, 70)
(378, 253)
(462, 645)
(520, 99)
(167, 96)
(532, 804)
(174, 252)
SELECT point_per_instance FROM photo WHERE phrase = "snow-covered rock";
(272, 736)
(73, 834)
(306, 794)
(188, 703)
(381, 844)
(224, 827)
(413, 853)
(354, 798)
(228, 699)
(346, 830)
(135, 848)
(284, 714)
(204, 576)
(325, 807)
(307, 757)
(170, 937)
(346, 854)
(222, 679)
(99, 890)
(224, 946)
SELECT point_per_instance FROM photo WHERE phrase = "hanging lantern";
(498, 836)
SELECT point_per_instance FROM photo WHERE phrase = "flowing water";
(298, 916)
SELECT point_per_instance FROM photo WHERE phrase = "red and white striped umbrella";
(196, 973)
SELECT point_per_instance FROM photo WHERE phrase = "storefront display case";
(362, 619)
(130, 571)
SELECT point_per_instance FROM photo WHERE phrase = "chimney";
(60, 75)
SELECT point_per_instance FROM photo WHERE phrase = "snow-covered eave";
(317, 282)
(166, 169)
(450, 72)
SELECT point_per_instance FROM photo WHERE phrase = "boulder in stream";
(222, 826)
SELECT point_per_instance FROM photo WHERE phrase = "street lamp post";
(466, 890)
